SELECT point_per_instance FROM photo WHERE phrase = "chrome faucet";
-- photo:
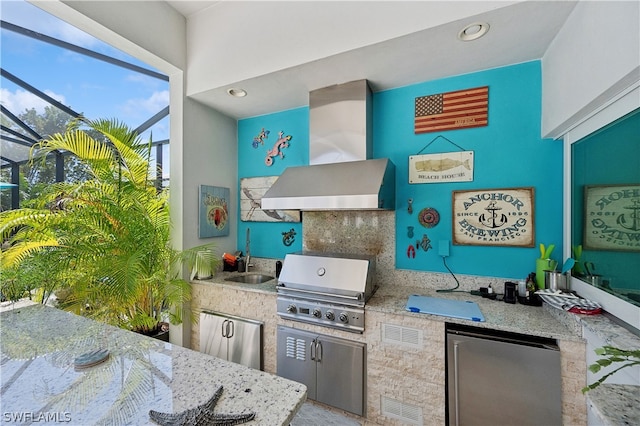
(247, 249)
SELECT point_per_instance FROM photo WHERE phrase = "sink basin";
(250, 278)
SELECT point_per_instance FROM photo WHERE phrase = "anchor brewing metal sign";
(440, 168)
(612, 217)
(494, 217)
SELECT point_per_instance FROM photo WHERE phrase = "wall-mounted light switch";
(443, 248)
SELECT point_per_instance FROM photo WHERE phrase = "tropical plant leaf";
(16, 253)
(612, 355)
(107, 238)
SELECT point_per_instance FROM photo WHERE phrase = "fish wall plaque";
(442, 167)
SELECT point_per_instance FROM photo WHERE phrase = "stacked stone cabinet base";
(405, 370)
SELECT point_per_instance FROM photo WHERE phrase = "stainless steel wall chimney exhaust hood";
(341, 174)
(354, 185)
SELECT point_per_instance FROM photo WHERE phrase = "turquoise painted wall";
(266, 237)
(509, 152)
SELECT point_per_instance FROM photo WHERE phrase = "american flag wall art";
(452, 110)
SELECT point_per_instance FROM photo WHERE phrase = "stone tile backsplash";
(372, 233)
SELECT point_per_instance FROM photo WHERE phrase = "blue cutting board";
(445, 307)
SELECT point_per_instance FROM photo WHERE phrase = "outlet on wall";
(443, 248)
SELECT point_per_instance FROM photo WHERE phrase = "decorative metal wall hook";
(288, 237)
(410, 231)
(425, 243)
(410, 207)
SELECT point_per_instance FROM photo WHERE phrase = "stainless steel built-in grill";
(326, 289)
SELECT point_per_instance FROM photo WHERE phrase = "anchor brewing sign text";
(494, 217)
(612, 217)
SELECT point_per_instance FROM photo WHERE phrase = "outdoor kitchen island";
(399, 371)
(416, 374)
(52, 372)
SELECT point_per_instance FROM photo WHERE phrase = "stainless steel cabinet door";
(212, 340)
(332, 368)
(245, 342)
(296, 354)
(340, 370)
(232, 338)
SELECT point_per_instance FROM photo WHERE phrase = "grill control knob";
(291, 309)
(317, 313)
(329, 315)
(343, 317)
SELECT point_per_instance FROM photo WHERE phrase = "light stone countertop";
(517, 318)
(39, 383)
(612, 333)
(616, 405)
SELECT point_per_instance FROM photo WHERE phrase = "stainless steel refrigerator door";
(495, 382)
(245, 342)
(212, 340)
(340, 370)
(296, 350)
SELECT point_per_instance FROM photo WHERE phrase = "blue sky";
(95, 88)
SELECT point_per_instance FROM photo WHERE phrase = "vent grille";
(398, 410)
(296, 348)
(399, 335)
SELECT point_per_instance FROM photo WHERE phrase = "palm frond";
(18, 252)
(11, 220)
(108, 238)
(133, 155)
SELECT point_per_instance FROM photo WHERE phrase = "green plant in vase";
(544, 263)
(110, 233)
(204, 265)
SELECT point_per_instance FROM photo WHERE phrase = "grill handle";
(320, 293)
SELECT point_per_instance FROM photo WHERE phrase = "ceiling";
(518, 33)
(189, 7)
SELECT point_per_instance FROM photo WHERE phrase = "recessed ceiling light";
(237, 93)
(473, 31)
